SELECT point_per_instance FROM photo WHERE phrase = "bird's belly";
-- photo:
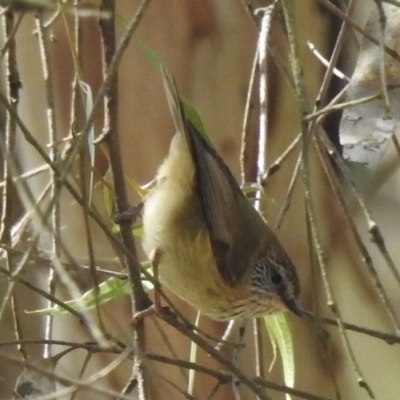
(173, 228)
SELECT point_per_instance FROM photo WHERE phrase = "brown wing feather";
(221, 197)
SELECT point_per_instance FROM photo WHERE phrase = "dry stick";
(40, 223)
(311, 215)
(29, 215)
(265, 28)
(365, 256)
(14, 275)
(321, 97)
(382, 72)
(235, 356)
(108, 76)
(61, 175)
(139, 298)
(396, 144)
(290, 391)
(248, 168)
(54, 156)
(28, 174)
(128, 388)
(389, 338)
(248, 145)
(224, 377)
(250, 165)
(174, 386)
(167, 343)
(71, 384)
(341, 106)
(76, 124)
(213, 391)
(288, 196)
(276, 165)
(289, 193)
(249, 8)
(340, 14)
(326, 63)
(41, 218)
(85, 363)
(92, 347)
(10, 108)
(12, 87)
(380, 289)
(373, 229)
(322, 335)
(363, 249)
(44, 294)
(10, 38)
(96, 217)
(241, 377)
(334, 58)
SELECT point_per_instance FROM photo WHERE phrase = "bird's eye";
(276, 278)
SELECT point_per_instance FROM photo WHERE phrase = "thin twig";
(139, 298)
(8, 208)
(382, 58)
(365, 256)
(71, 384)
(287, 7)
(54, 155)
(238, 373)
(340, 14)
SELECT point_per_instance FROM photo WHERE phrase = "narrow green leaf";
(274, 345)
(278, 326)
(193, 116)
(109, 290)
(154, 59)
(138, 189)
(121, 21)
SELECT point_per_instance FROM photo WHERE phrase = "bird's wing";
(219, 192)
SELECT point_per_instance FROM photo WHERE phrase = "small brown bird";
(211, 247)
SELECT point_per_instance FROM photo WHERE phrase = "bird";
(206, 241)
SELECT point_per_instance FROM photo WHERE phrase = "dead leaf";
(365, 129)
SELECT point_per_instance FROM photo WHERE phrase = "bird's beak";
(291, 304)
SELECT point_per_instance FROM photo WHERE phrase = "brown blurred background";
(209, 46)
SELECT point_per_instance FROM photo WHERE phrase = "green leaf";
(138, 189)
(154, 59)
(193, 116)
(279, 330)
(121, 21)
(109, 290)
